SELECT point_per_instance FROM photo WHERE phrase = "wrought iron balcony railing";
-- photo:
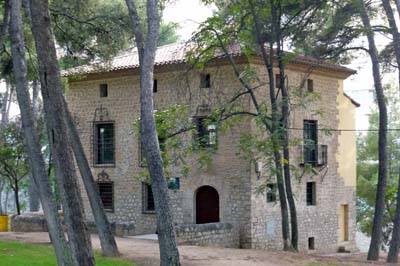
(314, 154)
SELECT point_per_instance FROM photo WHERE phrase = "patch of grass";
(13, 253)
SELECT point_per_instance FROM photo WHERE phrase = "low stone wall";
(35, 222)
(212, 234)
(28, 222)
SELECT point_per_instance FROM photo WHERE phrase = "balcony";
(314, 154)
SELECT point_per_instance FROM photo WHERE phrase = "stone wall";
(213, 234)
(259, 222)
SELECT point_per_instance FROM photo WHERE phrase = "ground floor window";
(106, 192)
(148, 199)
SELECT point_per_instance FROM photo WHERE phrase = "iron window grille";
(315, 155)
(311, 194)
(104, 144)
(206, 136)
(147, 199)
(106, 193)
(271, 192)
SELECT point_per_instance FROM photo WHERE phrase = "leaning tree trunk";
(107, 240)
(376, 235)
(395, 241)
(32, 144)
(34, 204)
(147, 45)
(53, 100)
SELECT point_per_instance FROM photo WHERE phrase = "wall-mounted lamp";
(258, 168)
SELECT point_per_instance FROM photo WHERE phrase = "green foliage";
(14, 253)
(367, 168)
(14, 165)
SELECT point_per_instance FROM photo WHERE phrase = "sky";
(189, 13)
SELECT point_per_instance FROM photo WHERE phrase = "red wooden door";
(207, 205)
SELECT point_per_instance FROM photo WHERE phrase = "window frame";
(103, 90)
(205, 80)
(203, 141)
(95, 144)
(271, 195)
(310, 150)
(98, 183)
(145, 199)
(313, 200)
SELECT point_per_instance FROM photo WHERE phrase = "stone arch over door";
(207, 205)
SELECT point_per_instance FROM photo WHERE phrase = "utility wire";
(349, 130)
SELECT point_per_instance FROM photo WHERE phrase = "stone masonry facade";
(257, 222)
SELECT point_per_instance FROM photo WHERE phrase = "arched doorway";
(207, 205)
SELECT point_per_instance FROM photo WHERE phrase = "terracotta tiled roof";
(175, 54)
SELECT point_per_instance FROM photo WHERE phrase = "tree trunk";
(169, 254)
(16, 197)
(53, 100)
(32, 146)
(395, 241)
(285, 124)
(34, 203)
(107, 240)
(376, 235)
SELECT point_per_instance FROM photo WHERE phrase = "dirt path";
(145, 252)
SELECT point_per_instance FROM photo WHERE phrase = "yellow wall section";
(346, 155)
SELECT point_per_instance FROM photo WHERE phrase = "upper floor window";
(310, 135)
(205, 81)
(155, 86)
(310, 85)
(271, 192)
(104, 147)
(311, 194)
(106, 192)
(206, 132)
(103, 90)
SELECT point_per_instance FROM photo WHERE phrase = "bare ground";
(145, 253)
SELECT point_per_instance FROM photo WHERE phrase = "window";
(103, 90)
(104, 150)
(311, 194)
(277, 81)
(205, 81)
(206, 132)
(311, 243)
(271, 192)
(155, 87)
(310, 85)
(310, 135)
(148, 199)
(106, 192)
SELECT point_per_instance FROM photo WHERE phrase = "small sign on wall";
(174, 183)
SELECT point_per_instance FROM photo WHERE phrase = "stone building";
(104, 100)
